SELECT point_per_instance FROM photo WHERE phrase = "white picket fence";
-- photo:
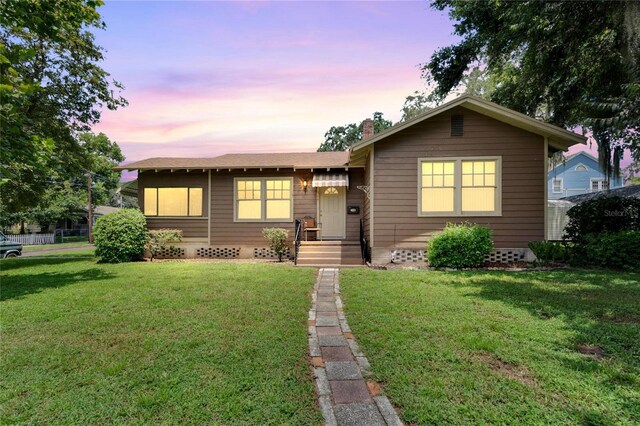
(32, 239)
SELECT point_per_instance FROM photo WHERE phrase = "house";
(579, 173)
(467, 160)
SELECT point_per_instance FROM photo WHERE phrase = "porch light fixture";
(305, 185)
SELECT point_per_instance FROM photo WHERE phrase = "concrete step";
(329, 254)
(328, 261)
(330, 243)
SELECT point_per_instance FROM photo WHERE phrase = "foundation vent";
(218, 252)
(404, 256)
(505, 256)
(171, 253)
(267, 253)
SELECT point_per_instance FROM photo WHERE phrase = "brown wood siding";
(355, 197)
(366, 201)
(191, 227)
(225, 231)
(396, 222)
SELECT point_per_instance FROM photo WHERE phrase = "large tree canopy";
(569, 63)
(340, 138)
(51, 88)
(64, 198)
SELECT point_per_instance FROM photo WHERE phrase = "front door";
(333, 211)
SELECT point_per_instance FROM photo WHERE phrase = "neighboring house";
(579, 173)
(467, 160)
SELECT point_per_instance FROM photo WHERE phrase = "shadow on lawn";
(26, 282)
(602, 311)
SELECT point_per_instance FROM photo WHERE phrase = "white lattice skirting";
(218, 252)
(497, 255)
(268, 253)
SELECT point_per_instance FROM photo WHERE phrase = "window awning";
(325, 180)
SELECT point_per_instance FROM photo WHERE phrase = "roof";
(129, 188)
(631, 191)
(301, 160)
(557, 137)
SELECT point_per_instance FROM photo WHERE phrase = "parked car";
(9, 248)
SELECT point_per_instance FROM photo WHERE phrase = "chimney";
(367, 128)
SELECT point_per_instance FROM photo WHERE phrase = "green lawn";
(501, 347)
(163, 342)
(79, 244)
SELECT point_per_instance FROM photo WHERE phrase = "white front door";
(333, 211)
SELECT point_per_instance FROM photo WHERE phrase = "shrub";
(120, 236)
(160, 239)
(619, 250)
(460, 246)
(277, 238)
(593, 227)
(549, 252)
(602, 214)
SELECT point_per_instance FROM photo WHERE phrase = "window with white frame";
(581, 168)
(599, 184)
(459, 187)
(263, 199)
(556, 185)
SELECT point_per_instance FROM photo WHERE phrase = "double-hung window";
(173, 202)
(263, 199)
(459, 186)
(556, 185)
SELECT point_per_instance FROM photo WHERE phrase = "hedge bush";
(602, 214)
(160, 239)
(460, 246)
(620, 250)
(277, 238)
(120, 236)
(604, 232)
(549, 252)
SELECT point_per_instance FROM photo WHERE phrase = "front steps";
(329, 253)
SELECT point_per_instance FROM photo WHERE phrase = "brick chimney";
(367, 128)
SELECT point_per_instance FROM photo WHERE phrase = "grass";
(165, 342)
(501, 347)
(73, 244)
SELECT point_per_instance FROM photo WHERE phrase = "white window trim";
(157, 216)
(457, 187)
(601, 187)
(580, 164)
(553, 188)
(263, 199)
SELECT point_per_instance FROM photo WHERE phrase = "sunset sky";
(208, 78)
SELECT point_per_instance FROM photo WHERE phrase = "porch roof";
(298, 160)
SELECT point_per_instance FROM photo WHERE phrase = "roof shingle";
(302, 160)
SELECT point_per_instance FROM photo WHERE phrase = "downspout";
(546, 189)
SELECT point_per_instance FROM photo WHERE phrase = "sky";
(206, 78)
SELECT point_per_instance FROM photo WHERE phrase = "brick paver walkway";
(340, 368)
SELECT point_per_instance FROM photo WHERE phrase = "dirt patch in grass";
(514, 372)
(591, 351)
(621, 319)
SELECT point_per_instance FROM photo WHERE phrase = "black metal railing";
(364, 251)
(296, 240)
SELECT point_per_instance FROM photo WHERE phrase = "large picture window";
(263, 199)
(173, 202)
(459, 187)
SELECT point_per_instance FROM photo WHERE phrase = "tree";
(568, 63)
(340, 138)
(415, 104)
(51, 88)
(66, 197)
